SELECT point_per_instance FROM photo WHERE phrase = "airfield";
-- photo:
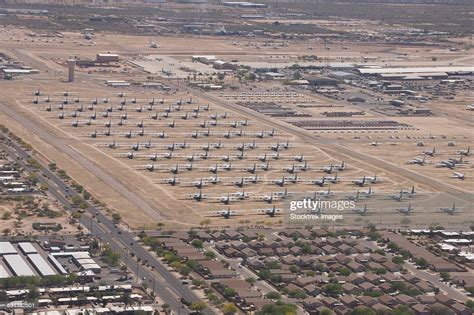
(185, 156)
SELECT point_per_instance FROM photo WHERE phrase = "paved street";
(435, 279)
(162, 282)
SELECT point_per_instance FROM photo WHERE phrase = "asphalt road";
(434, 278)
(164, 284)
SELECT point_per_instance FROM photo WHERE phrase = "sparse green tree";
(229, 309)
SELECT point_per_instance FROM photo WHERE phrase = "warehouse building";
(222, 65)
(4, 273)
(205, 59)
(106, 58)
(6, 248)
(82, 260)
(56, 264)
(418, 72)
(40, 264)
(192, 1)
(19, 71)
(17, 265)
(315, 80)
(343, 75)
(244, 4)
(27, 248)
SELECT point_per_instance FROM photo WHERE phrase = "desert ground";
(148, 154)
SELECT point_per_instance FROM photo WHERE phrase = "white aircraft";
(275, 196)
(177, 168)
(361, 211)
(252, 169)
(446, 163)
(397, 197)
(299, 158)
(253, 179)
(199, 183)
(239, 182)
(270, 211)
(354, 197)
(360, 182)
(465, 152)
(213, 180)
(430, 152)
(198, 196)
(112, 145)
(332, 179)
(367, 194)
(320, 182)
(458, 175)
(171, 181)
(410, 193)
(226, 199)
(226, 214)
(282, 194)
(406, 210)
(327, 169)
(449, 210)
(280, 182)
(268, 198)
(456, 161)
(262, 158)
(339, 167)
(294, 179)
(303, 167)
(291, 169)
(323, 193)
(418, 160)
(150, 167)
(372, 179)
(241, 194)
(278, 146)
(214, 169)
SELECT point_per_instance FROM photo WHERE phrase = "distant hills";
(412, 1)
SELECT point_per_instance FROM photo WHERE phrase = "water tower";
(71, 63)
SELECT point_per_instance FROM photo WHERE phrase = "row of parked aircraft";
(240, 195)
(244, 146)
(123, 120)
(356, 196)
(273, 211)
(195, 134)
(291, 169)
(207, 156)
(121, 95)
(432, 152)
(227, 213)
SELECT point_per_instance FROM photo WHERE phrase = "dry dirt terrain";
(150, 154)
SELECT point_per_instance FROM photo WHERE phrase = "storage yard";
(208, 157)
